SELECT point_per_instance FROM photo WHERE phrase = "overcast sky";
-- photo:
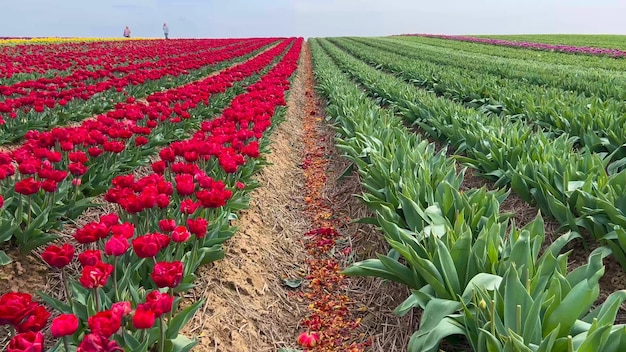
(307, 18)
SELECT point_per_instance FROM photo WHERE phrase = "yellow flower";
(55, 40)
(482, 304)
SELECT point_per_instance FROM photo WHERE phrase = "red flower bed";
(126, 297)
(69, 57)
(26, 101)
(35, 178)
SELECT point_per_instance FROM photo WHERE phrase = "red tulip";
(97, 343)
(251, 150)
(113, 146)
(14, 306)
(308, 340)
(27, 186)
(54, 157)
(190, 156)
(162, 201)
(64, 325)
(96, 275)
(185, 185)
(110, 219)
(116, 246)
(214, 198)
(166, 274)
(49, 186)
(78, 157)
(146, 246)
(91, 232)
(188, 206)
(28, 168)
(104, 323)
(198, 227)
(26, 342)
(159, 167)
(144, 317)
(35, 320)
(180, 234)
(148, 198)
(58, 257)
(77, 169)
(122, 309)
(67, 146)
(167, 225)
(90, 257)
(94, 152)
(57, 175)
(126, 230)
(140, 140)
(167, 154)
(159, 303)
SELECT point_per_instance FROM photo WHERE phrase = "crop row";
(591, 82)
(470, 272)
(126, 293)
(573, 187)
(98, 66)
(594, 40)
(587, 61)
(595, 121)
(74, 98)
(55, 174)
(569, 49)
(25, 62)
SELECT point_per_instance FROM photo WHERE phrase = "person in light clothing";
(127, 32)
(166, 30)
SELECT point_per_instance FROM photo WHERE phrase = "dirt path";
(247, 308)
(370, 300)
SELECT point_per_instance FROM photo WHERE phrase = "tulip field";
(170, 135)
(193, 114)
(589, 40)
(550, 45)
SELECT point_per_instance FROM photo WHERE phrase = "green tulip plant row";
(601, 83)
(596, 121)
(587, 61)
(579, 188)
(470, 270)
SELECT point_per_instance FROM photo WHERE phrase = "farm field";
(591, 40)
(402, 193)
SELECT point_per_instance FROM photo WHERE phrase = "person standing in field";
(166, 30)
(127, 32)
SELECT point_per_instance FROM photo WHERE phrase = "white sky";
(308, 18)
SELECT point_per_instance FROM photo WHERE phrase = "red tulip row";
(46, 104)
(147, 251)
(35, 178)
(103, 65)
(24, 60)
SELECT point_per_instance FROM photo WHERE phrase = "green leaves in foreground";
(470, 272)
